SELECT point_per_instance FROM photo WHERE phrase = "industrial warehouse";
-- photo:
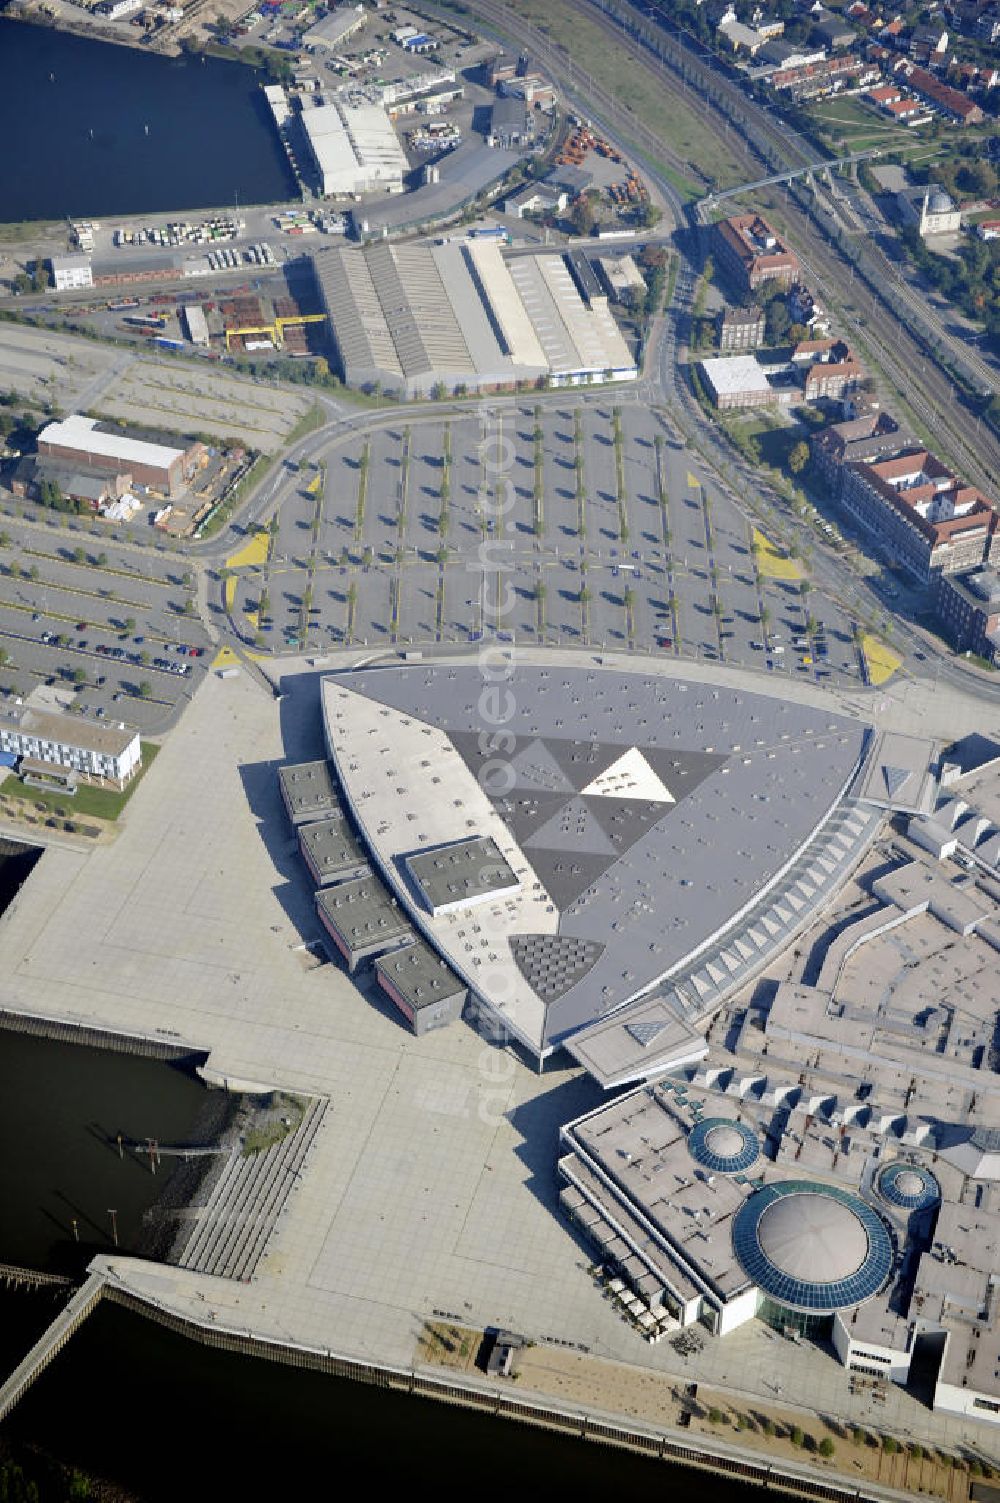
(355, 148)
(91, 445)
(418, 319)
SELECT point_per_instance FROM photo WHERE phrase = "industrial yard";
(140, 389)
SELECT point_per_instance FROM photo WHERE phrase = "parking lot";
(120, 632)
(571, 525)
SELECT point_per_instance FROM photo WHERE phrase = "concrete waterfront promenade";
(429, 1185)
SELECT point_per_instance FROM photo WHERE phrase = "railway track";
(930, 393)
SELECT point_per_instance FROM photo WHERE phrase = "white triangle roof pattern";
(630, 777)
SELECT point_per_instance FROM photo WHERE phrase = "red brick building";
(748, 252)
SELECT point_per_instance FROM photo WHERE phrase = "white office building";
(103, 753)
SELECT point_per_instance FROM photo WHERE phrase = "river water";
(74, 115)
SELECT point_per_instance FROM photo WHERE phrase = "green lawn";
(99, 803)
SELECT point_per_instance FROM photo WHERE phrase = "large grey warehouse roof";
(621, 790)
(413, 316)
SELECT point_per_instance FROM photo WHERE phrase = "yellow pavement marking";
(882, 661)
(314, 485)
(229, 593)
(693, 480)
(254, 551)
(771, 562)
(225, 658)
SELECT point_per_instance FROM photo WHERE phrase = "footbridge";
(810, 171)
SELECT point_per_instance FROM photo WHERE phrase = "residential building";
(834, 374)
(987, 27)
(741, 328)
(90, 445)
(924, 517)
(830, 31)
(782, 54)
(949, 102)
(748, 251)
(988, 229)
(969, 608)
(857, 441)
(102, 754)
(71, 272)
(908, 112)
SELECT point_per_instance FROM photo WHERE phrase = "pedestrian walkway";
(231, 1234)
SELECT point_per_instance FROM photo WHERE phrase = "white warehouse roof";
(355, 147)
(82, 433)
(738, 373)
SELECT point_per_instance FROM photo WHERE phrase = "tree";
(101, 560)
(826, 1447)
(777, 321)
(799, 457)
(582, 216)
(145, 689)
(715, 1416)
(79, 676)
(129, 624)
(797, 1437)
(890, 1445)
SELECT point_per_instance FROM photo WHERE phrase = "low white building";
(102, 753)
(355, 148)
(116, 10)
(335, 28)
(196, 324)
(71, 272)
